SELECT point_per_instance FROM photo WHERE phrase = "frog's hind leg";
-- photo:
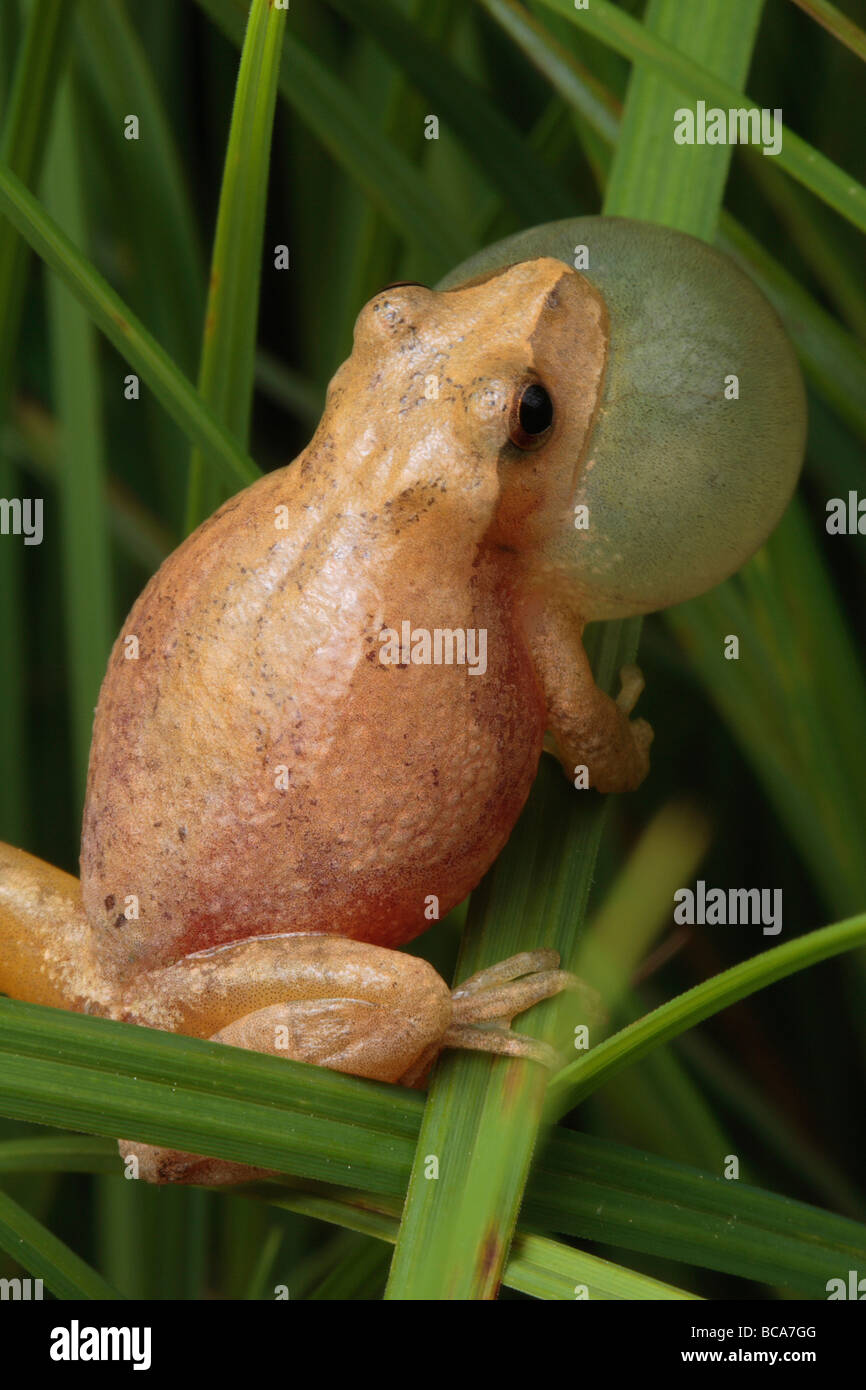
(485, 1004)
(48, 950)
(315, 998)
(336, 1003)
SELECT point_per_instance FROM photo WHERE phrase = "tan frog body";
(325, 712)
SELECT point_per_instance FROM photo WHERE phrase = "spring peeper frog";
(325, 711)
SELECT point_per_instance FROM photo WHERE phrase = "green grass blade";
(22, 148)
(548, 1269)
(819, 239)
(47, 1258)
(337, 1129)
(68, 1154)
(86, 565)
(612, 25)
(575, 83)
(837, 24)
(500, 152)
(802, 1158)
(378, 255)
(832, 358)
(481, 1115)
(646, 139)
(638, 904)
(14, 791)
(795, 650)
(124, 1081)
(263, 1272)
(9, 44)
(155, 188)
(592, 1189)
(132, 340)
(158, 260)
(360, 1274)
(32, 443)
(661, 1106)
(23, 139)
(583, 1076)
(344, 128)
(536, 1265)
(226, 372)
(178, 1116)
(293, 393)
(589, 1188)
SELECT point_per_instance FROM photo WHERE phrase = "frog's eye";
(404, 284)
(531, 416)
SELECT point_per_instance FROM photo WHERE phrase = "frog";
(324, 714)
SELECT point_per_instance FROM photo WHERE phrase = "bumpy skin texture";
(259, 646)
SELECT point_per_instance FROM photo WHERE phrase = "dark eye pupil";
(536, 410)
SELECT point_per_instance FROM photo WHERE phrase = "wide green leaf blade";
(811, 168)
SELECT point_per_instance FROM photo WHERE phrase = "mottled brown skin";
(264, 907)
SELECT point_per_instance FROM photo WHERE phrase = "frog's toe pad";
(487, 1037)
(631, 687)
(484, 1005)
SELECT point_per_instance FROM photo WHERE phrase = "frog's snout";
(392, 313)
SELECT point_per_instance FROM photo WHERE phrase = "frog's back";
(258, 767)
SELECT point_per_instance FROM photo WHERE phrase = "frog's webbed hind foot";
(485, 1004)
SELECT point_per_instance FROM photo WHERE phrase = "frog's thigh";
(321, 999)
(317, 998)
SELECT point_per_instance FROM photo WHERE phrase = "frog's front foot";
(621, 759)
(590, 733)
(485, 1004)
(635, 763)
(631, 687)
